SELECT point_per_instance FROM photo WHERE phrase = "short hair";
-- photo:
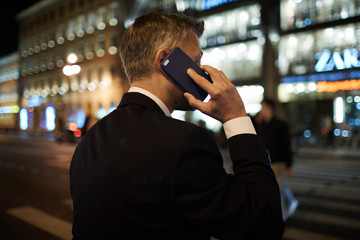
(150, 33)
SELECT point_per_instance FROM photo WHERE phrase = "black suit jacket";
(139, 174)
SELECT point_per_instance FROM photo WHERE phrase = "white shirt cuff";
(236, 126)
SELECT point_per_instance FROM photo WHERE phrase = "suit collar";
(160, 103)
(139, 99)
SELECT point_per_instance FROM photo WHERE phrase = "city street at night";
(36, 204)
(35, 200)
(66, 64)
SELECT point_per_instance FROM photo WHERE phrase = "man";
(277, 133)
(139, 174)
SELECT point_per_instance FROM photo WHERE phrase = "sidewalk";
(329, 153)
(29, 135)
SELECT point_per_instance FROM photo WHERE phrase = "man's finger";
(194, 102)
(201, 81)
(209, 69)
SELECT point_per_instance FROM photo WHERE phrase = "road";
(35, 200)
(327, 184)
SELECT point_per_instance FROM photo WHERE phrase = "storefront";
(319, 63)
(9, 108)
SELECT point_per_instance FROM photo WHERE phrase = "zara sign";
(329, 61)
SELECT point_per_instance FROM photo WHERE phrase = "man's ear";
(159, 57)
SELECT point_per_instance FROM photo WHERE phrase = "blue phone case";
(175, 66)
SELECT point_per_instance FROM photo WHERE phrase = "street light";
(71, 68)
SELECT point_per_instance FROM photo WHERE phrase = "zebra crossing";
(327, 187)
(42, 220)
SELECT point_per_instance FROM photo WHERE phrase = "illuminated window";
(51, 39)
(247, 57)
(89, 51)
(91, 23)
(43, 42)
(113, 45)
(339, 110)
(60, 34)
(100, 52)
(101, 112)
(101, 18)
(23, 119)
(71, 114)
(233, 25)
(80, 50)
(252, 95)
(300, 14)
(113, 14)
(60, 56)
(36, 44)
(112, 107)
(71, 30)
(80, 117)
(81, 21)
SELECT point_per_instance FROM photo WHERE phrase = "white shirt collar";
(153, 97)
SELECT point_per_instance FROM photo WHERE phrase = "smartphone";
(175, 66)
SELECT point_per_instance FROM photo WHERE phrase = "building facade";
(52, 99)
(319, 64)
(302, 53)
(9, 109)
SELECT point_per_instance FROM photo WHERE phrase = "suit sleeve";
(241, 206)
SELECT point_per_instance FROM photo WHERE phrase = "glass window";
(71, 30)
(60, 34)
(113, 45)
(101, 18)
(333, 48)
(231, 26)
(81, 21)
(80, 50)
(90, 48)
(240, 61)
(112, 107)
(51, 39)
(80, 117)
(113, 14)
(100, 52)
(90, 23)
(50, 117)
(302, 13)
(101, 112)
(60, 56)
(24, 119)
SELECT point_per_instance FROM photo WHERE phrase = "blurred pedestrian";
(140, 174)
(277, 134)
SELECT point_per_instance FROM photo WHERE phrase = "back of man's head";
(270, 103)
(150, 33)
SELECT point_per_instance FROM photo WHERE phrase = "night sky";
(9, 25)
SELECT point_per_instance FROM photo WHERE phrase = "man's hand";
(225, 102)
